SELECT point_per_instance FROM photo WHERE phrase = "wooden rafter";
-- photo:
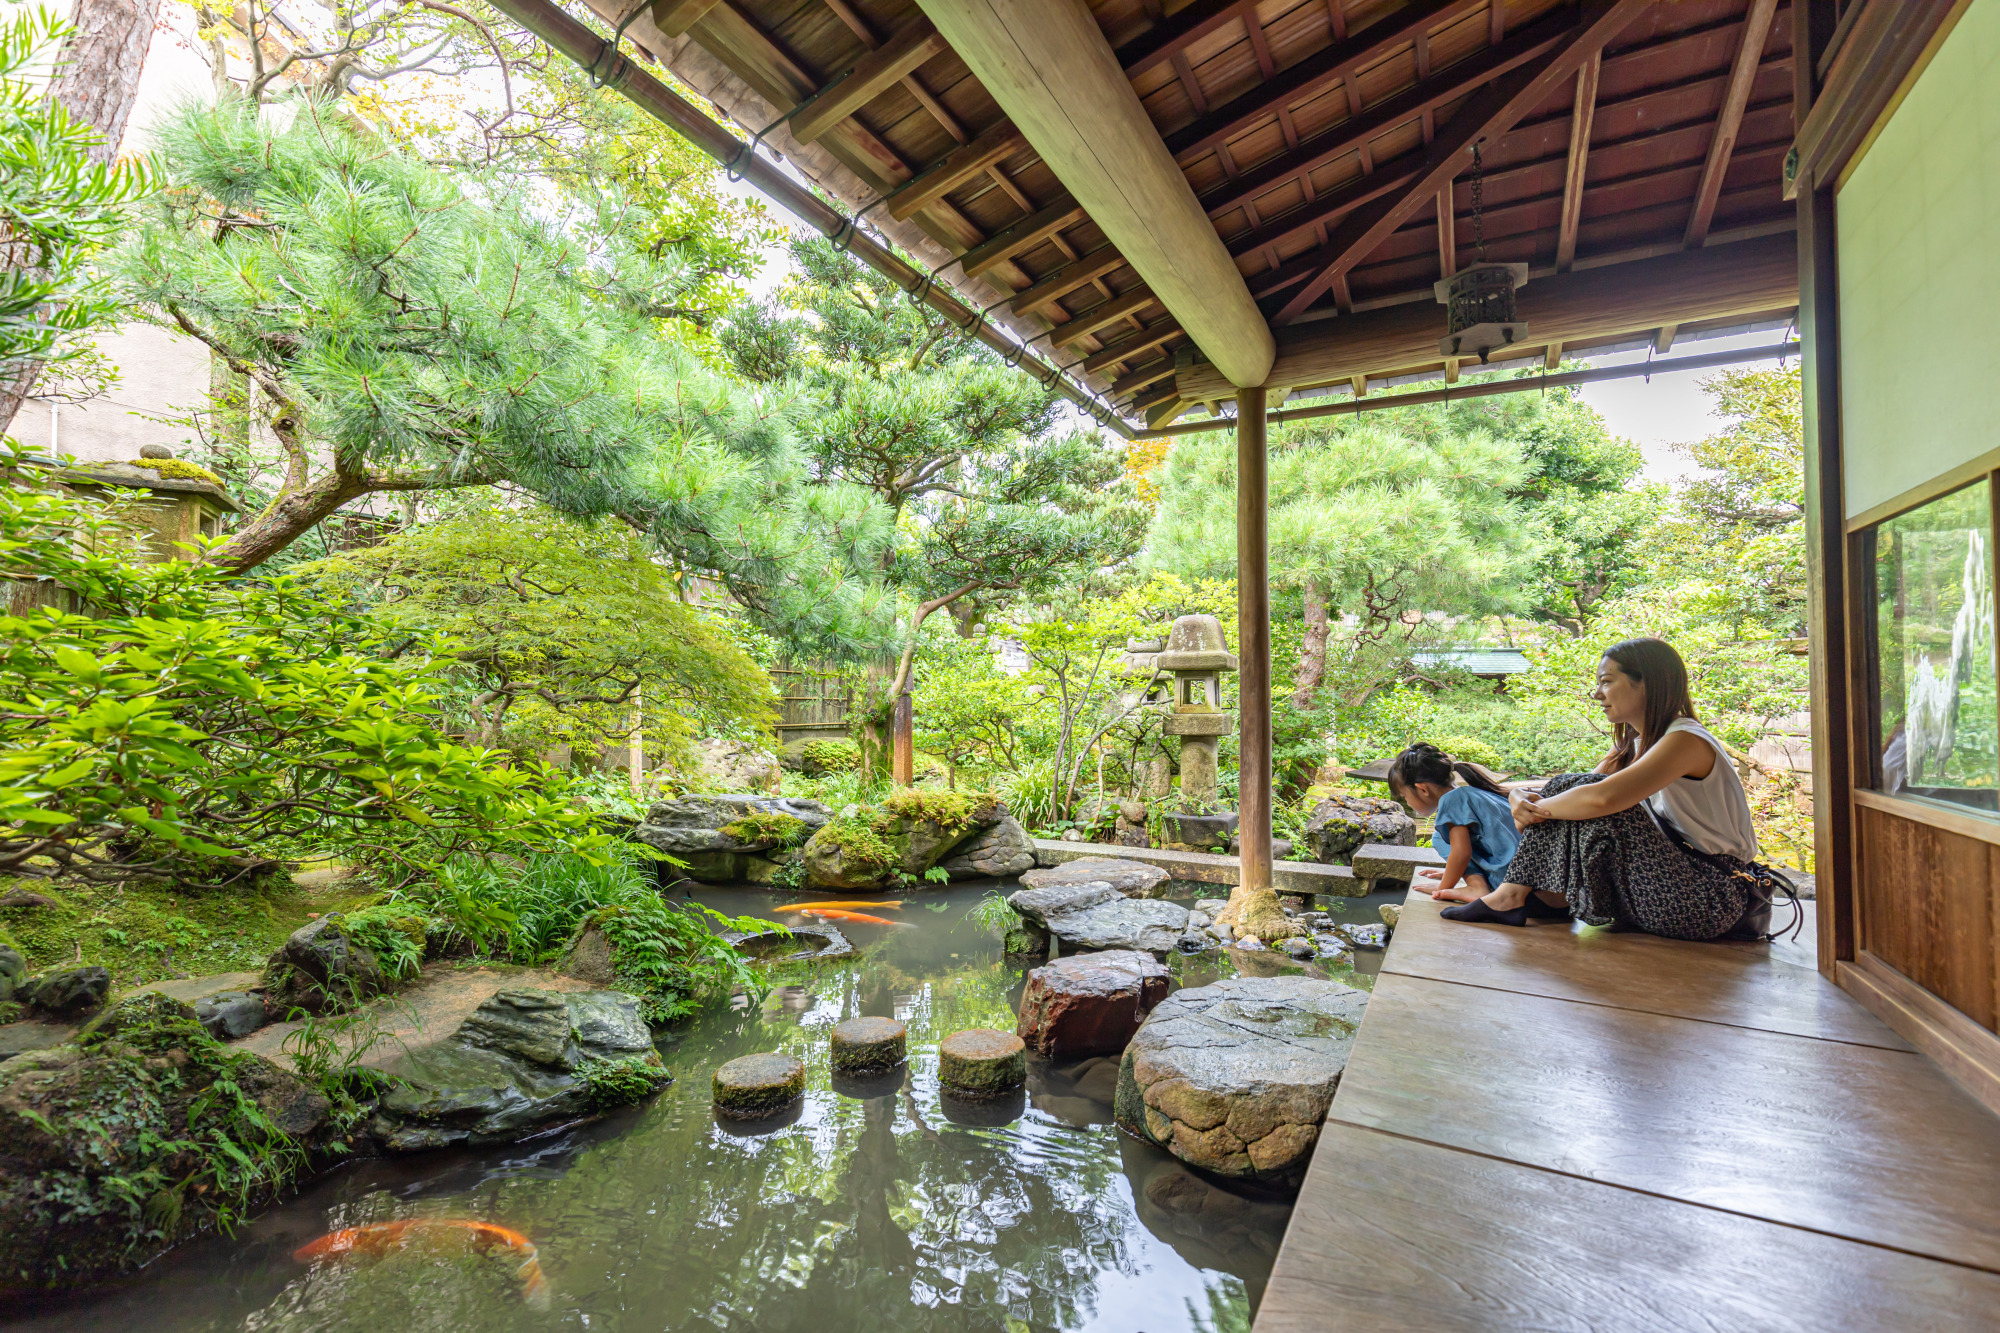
(1067, 279)
(908, 47)
(1582, 111)
(1487, 115)
(1030, 231)
(1165, 39)
(1144, 340)
(960, 164)
(1150, 373)
(1742, 74)
(1447, 233)
(1086, 322)
(675, 17)
(1316, 72)
(1354, 133)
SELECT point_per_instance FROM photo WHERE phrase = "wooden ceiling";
(1327, 141)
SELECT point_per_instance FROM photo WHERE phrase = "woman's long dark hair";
(1424, 762)
(1657, 667)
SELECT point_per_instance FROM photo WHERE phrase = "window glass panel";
(1939, 732)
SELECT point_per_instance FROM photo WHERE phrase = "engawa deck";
(1561, 1128)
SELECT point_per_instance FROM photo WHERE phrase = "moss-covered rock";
(982, 1062)
(140, 1132)
(863, 1044)
(322, 968)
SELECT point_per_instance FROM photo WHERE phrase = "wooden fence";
(814, 705)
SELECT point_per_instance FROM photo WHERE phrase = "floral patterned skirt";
(1625, 868)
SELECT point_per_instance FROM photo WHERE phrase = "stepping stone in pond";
(1091, 1003)
(751, 1087)
(864, 1044)
(982, 1062)
(1125, 923)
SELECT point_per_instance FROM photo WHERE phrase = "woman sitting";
(1474, 830)
(1658, 838)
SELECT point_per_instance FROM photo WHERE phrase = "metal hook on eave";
(610, 48)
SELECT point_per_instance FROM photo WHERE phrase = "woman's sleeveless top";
(1712, 813)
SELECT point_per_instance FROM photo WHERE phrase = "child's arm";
(1457, 863)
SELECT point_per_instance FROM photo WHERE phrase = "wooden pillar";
(1836, 712)
(1253, 635)
(903, 761)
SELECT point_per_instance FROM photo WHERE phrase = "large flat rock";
(1148, 924)
(1305, 877)
(1129, 877)
(1236, 1077)
(1038, 905)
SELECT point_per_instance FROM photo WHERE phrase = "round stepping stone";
(982, 1062)
(751, 1087)
(863, 1044)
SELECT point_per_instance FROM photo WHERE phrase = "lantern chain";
(1478, 210)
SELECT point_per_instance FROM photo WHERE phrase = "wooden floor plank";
(1852, 1140)
(1750, 985)
(1394, 1235)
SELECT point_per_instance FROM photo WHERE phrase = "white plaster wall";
(160, 374)
(1919, 228)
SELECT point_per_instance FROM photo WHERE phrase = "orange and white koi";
(837, 907)
(377, 1238)
(826, 914)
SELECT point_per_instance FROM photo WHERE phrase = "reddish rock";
(1091, 1003)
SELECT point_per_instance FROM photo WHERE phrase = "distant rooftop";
(1479, 661)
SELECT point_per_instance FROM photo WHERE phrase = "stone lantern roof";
(1196, 644)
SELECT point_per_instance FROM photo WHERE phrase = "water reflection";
(875, 1204)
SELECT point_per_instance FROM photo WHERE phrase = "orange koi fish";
(378, 1238)
(825, 914)
(814, 907)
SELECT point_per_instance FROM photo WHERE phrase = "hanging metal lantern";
(1481, 296)
(1481, 302)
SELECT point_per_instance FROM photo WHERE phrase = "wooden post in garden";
(903, 760)
(1253, 905)
(1253, 640)
(635, 749)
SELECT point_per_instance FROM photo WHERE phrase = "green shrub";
(768, 826)
(820, 758)
(394, 936)
(1471, 750)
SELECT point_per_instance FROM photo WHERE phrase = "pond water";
(878, 1207)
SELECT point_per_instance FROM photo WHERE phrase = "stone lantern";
(1197, 655)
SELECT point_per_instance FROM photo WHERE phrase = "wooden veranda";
(1181, 214)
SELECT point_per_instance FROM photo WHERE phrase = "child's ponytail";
(1424, 762)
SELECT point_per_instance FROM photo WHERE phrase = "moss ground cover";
(150, 931)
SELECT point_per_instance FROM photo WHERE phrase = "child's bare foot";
(1457, 894)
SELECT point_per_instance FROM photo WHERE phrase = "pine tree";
(402, 329)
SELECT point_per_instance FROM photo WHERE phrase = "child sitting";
(1474, 831)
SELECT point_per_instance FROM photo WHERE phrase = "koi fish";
(377, 1238)
(814, 907)
(825, 914)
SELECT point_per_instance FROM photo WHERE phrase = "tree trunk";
(98, 85)
(1311, 667)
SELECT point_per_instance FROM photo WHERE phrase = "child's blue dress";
(1494, 836)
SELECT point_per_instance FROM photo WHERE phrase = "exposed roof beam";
(1488, 114)
(1052, 72)
(910, 46)
(1578, 307)
(1030, 231)
(1145, 339)
(1086, 322)
(1756, 31)
(1580, 116)
(675, 17)
(1354, 133)
(1447, 233)
(960, 164)
(1322, 69)
(1192, 23)
(1067, 279)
